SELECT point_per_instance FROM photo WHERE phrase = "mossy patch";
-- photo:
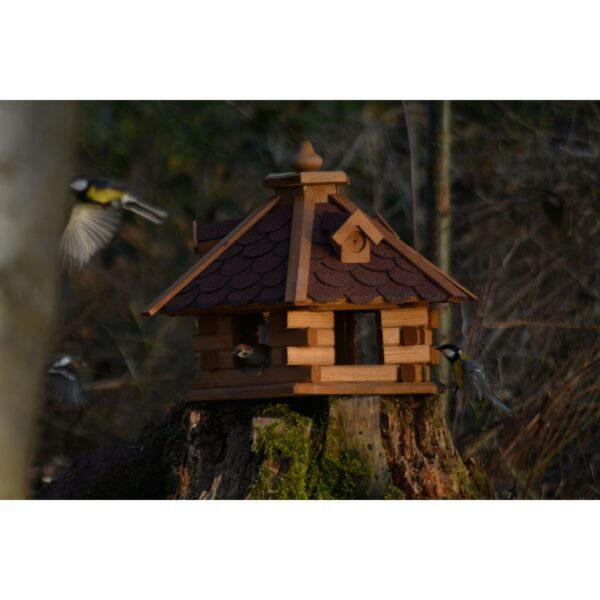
(394, 493)
(332, 477)
(293, 462)
(284, 449)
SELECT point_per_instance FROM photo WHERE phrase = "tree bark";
(442, 238)
(342, 447)
(34, 160)
(410, 118)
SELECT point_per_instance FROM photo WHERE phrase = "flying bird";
(253, 356)
(471, 374)
(96, 216)
(64, 382)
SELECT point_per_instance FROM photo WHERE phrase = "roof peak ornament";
(306, 158)
(306, 165)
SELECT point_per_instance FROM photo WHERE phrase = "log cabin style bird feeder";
(342, 304)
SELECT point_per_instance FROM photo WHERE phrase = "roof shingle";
(254, 268)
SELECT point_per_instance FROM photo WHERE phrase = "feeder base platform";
(282, 390)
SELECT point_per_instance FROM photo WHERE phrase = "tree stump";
(338, 447)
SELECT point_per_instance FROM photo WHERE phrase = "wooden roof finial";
(306, 158)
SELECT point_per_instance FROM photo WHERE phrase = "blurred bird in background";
(470, 374)
(96, 217)
(253, 356)
(64, 382)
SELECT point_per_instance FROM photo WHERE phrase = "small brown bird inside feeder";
(258, 356)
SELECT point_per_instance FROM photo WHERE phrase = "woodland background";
(525, 222)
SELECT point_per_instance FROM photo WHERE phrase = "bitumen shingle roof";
(253, 267)
(252, 270)
(388, 274)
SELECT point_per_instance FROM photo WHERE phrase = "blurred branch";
(126, 381)
(442, 238)
(526, 323)
(413, 149)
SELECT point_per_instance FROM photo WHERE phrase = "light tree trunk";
(35, 142)
(442, 239)
(410, 117)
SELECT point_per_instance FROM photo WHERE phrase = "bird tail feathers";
(493, 398)
(147, 211)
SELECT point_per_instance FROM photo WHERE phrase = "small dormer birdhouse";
(352, 240)
(331, 298)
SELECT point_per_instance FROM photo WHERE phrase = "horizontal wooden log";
(404, 317)
(208, 361)
(390, 336)
(251, 377)
(216, 361)
(434, 318)
(214, 325)
(411, 373)
(283, 390)
(300, 319)
(412, 336)
(278, 357)
(280, 338)
(414, 373)
(205, 343)
(302, 356)
(396, 355)
(355, 373)
(364, 388)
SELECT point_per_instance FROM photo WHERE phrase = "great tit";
(64, 383)
(471, 374)
(95, 218)
(253, 356)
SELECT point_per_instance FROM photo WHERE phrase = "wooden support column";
(300, 240)
(354, 430)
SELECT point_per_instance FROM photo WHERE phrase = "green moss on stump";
(284, 449)
(293, 464)
(333, 477)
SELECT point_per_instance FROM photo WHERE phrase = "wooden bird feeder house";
(343, 303)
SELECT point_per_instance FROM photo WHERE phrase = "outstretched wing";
(64, 385)
(89, 229)
(475, 377)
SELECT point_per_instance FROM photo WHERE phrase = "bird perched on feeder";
(64, 382)
(95, 218)
(471, 374)
(253, 356)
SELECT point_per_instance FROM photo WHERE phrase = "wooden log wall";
(407, 336)
(302, 338)
(307, 338)
(303, 350)
(213, 342)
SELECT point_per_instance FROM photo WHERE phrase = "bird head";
(68, 360)
(450, 351)
(242, 351)
(79, 185)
